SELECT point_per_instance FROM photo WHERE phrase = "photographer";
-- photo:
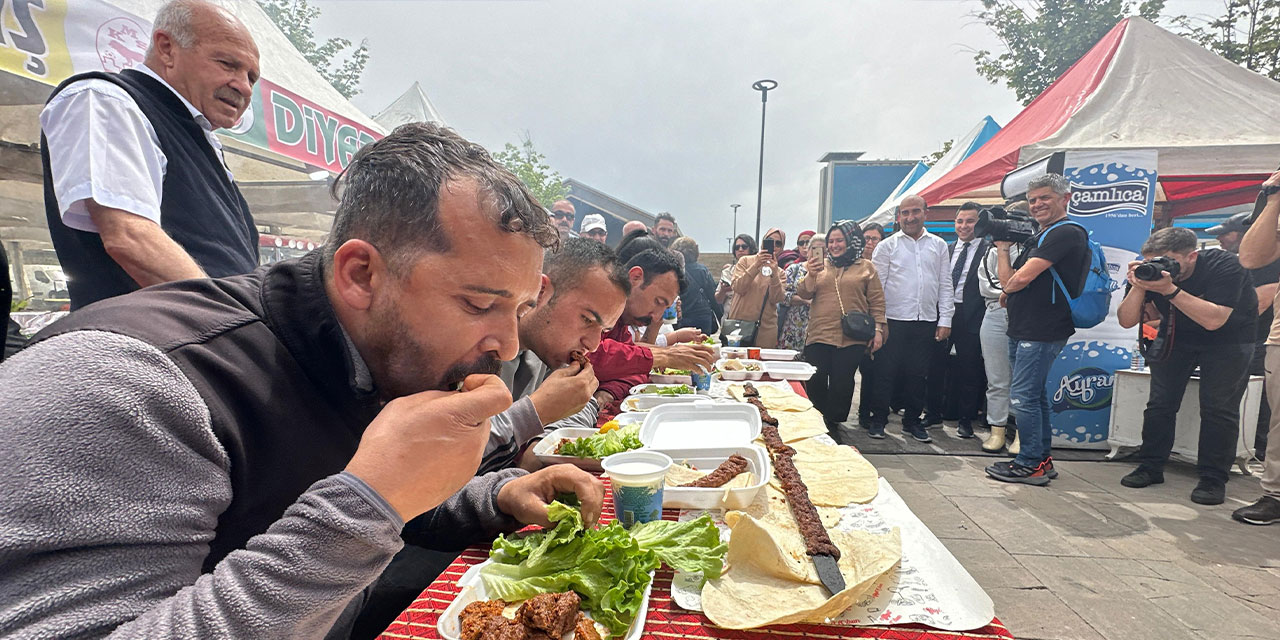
(757, 288)
(1261, 246)
(1039, 320)
(1207, 309)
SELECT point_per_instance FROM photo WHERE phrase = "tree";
(934, 157)
(294, 18)
(528, 165)
(1248, 34)
(1043, 38)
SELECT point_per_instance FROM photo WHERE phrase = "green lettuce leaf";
(604, 444)
(691, 546)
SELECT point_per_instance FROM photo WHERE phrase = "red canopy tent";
(1215, 124)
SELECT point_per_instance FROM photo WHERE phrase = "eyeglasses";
(741, 247)
(803, 243)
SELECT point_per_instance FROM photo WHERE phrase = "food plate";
(789, 370)
(640, 388)
(733, 352)
(647, 401)
(741, 374)
(545, 450)
(718, 497)
(473, 590)
(778, 354)
(659, 378)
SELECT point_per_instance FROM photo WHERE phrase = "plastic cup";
(637, 478)
(753, 353)
(701, 381)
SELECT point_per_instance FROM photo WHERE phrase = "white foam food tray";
(665, 379)
(789, 370)
(700, 425)
(778, 354)
(648, 401)
(450, 627)
(741, 374)
(716, 497)
(733, 352)
(545, 449)
(640, 388)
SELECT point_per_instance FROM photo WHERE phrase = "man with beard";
(656, 279)
(584, 291)
(240, 454)
(136, 189)
(664, 228)
(562, 216)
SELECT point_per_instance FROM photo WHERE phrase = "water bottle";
(1136, 362)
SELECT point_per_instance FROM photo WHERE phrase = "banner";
(1112, 195)
(45, 41)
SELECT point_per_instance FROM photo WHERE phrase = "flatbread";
(767, 564)
(799, 425)
(771, 504)
(774, 398)
(680, 474)
(837, 476)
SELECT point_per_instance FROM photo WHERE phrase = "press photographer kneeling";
(1206, 307)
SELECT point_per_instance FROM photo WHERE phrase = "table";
(1129, 400)
(665, 619)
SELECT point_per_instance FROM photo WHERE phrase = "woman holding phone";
(743, 245)
(796, 322)
(757, 289)
(846, 320)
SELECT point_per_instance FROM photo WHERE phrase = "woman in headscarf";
(796, 320)
(757, 289)
(843, 283)
(743, 245)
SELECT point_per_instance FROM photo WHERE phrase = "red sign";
(301, 129)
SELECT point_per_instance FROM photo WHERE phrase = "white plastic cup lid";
(637, 467)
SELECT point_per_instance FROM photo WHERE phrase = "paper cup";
(701, 381)
(637, 478)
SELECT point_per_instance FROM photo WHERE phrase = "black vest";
(268, 357)
(200, 208)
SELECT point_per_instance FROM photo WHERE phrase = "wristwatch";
(1268, 190)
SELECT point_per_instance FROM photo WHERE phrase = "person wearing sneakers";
(1039, 320)
(1207, 301)
(1259, 247)
(995, 348)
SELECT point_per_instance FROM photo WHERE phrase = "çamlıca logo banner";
(46, 41)
(1113, 196)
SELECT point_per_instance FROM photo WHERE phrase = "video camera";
(1155, 268)
(1005, 226)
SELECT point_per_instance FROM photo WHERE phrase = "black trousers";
(867, 369)
(1257, 368)
(957, 384)
(831, 387)
(902, 362)
(1224, 372)
(940, 397)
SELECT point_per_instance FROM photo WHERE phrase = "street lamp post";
(764, 87)
(735, 219)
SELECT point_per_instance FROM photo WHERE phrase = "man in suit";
(957, 383)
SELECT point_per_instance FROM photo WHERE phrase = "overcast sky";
(651, 102)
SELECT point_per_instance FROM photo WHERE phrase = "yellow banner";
(33, 39)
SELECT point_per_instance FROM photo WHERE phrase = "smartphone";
(818, 253)
(769, 244)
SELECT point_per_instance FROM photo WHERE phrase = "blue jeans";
(1030, 362)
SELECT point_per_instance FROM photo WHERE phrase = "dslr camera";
(1005, 226)
(1155, 268)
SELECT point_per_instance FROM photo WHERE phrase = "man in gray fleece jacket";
(235, 458)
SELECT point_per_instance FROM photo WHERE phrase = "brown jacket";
(750, 289)
(859, 288)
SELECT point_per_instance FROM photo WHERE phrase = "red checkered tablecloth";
(665, 619)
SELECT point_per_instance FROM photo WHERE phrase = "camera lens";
(1148, 271)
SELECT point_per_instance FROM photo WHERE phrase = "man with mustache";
(136, 188)
(238, 456)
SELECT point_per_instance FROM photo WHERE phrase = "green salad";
(608, 566)
(602, 444)
(670, 372)
(677, 390)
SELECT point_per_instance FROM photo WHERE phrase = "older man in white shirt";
(136, 188)
(915, 269)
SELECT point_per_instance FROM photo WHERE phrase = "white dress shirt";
(916, 274)
(102, 147)
(973, 244)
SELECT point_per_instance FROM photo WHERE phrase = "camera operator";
(1039, 321)
(1261, 246)
(1209, 299)
(994, 337)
